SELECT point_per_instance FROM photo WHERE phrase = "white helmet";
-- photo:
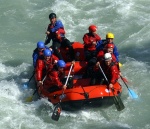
(107, 56)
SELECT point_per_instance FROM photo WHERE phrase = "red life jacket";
(43, 67)
(100, 56)
(88, 39)
(111, 72)
(53, 78)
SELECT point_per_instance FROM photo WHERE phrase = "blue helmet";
(47, 52)
(61, 64)
(40, 44)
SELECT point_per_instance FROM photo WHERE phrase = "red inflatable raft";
(78, 51)
(81, 93)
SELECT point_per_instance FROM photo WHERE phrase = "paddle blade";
(29, 99)
(25, 85)
(56, 112)
(132, 94)
(118, 103)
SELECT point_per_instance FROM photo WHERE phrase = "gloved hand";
(111, 86)
(64, 87)
(39, 83)
(47, 32)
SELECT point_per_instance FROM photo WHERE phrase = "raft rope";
(86, 92)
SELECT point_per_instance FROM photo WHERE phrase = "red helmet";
(109, 45)
(92, 28)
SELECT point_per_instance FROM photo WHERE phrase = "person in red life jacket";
(109, 39)
(55, 77)
(56, 33)
(110, 69)
(107, 49)
(90, 40)
(44, 65)
(38, 52)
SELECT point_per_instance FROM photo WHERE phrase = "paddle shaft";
(27, 83)
(57, 110)
(126, 86)
(125, 83)
(38, 87)
(31, 76)
(117, 100)
(67, 80)
(68, 74)
(103, 74)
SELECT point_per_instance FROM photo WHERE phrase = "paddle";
(132, 94)
(57, 110)
(30, 98)
(117, 100)
(125, 80)
(26, 85)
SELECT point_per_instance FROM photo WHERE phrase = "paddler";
(56, 33)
